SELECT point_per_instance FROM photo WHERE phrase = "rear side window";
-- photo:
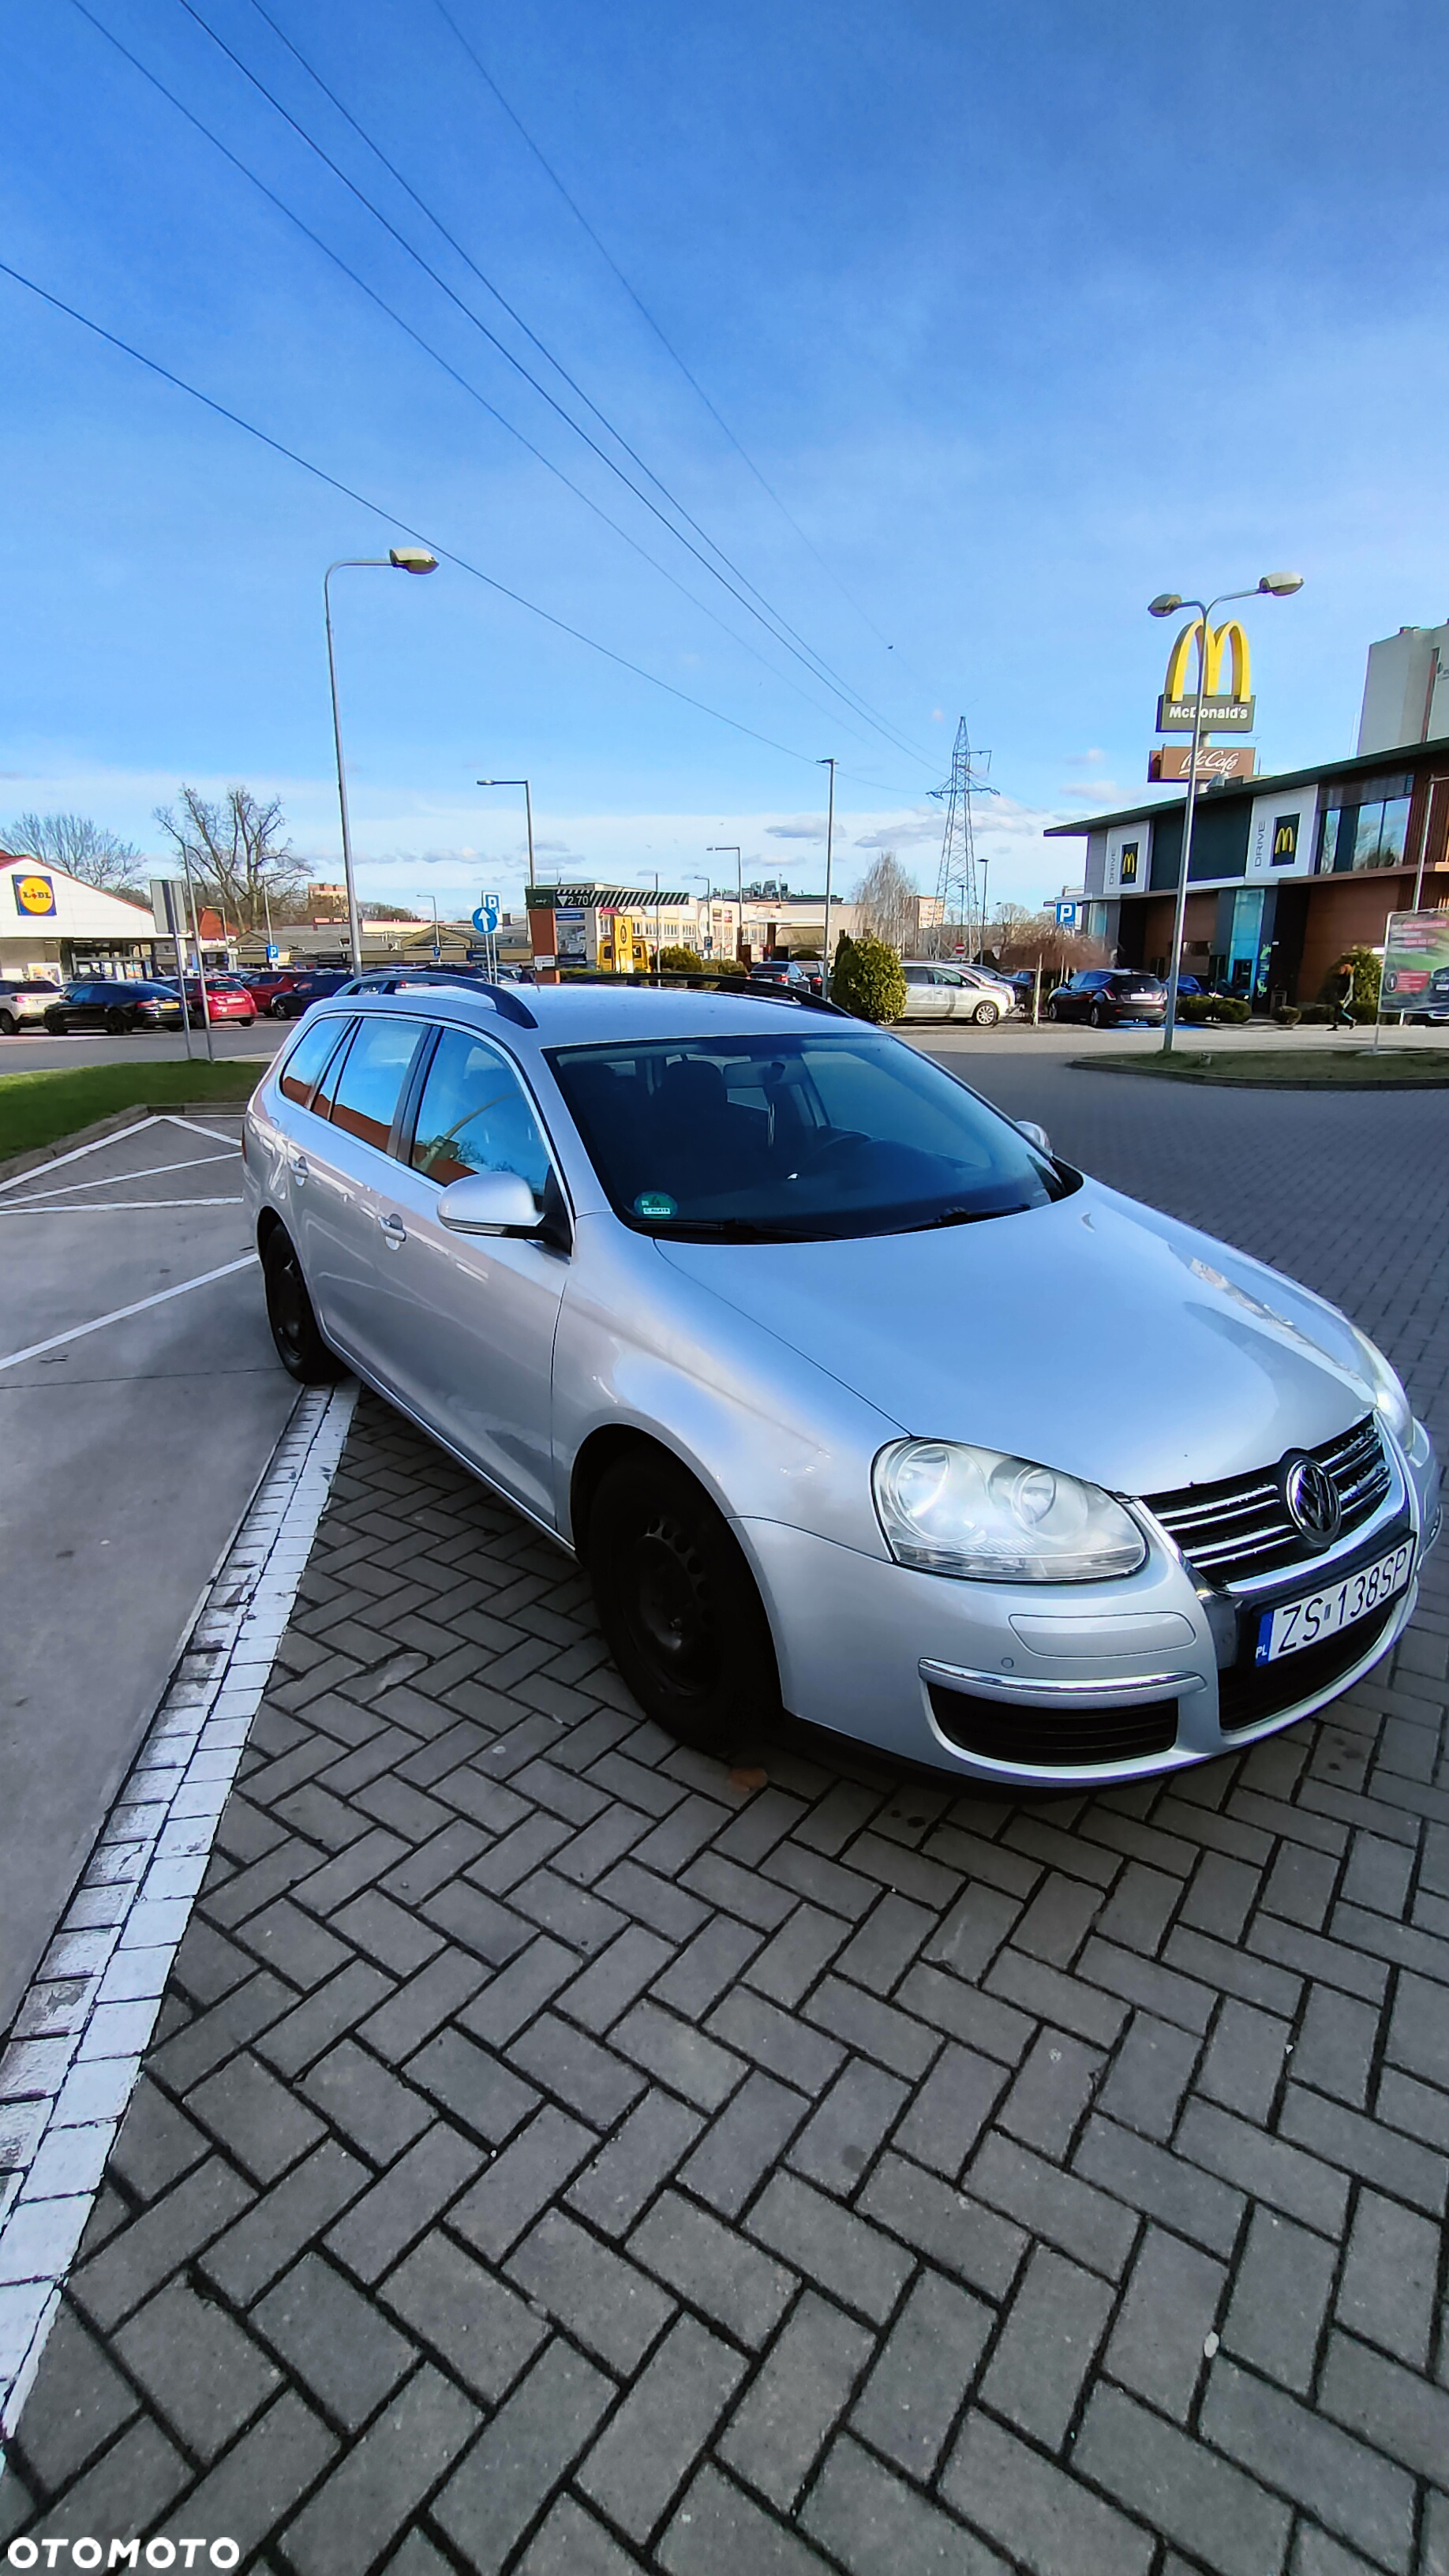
(304, 1065)
(370, 1083)
(474, 1116)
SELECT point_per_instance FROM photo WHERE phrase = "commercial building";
(620, 929)
(53, 927)
(1286, 872)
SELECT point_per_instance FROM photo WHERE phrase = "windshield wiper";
(958, 1216)
(728, 1229)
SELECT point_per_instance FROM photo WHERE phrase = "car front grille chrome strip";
(1241, 1528)
(1118, 1689)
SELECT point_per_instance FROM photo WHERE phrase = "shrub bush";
(681, 961)
(1195, 1008)
(867, 978)
(1227, 1006)
(1315, 1015)
(1285, 1017)
(726, 966)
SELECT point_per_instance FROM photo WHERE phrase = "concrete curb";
(1148, 1066)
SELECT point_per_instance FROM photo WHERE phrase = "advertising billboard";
(1416, 960)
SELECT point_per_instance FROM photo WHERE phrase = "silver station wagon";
(789, 1337)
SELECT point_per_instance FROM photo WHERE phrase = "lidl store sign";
(34, 894)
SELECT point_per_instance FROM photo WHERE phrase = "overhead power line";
(660, 334)
(393, 519)
(463, 382)
(766, 616)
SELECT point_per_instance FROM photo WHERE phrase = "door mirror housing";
(490, 1203)
(1034, 1134)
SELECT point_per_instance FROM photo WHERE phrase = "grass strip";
(39, 1108)
(1352, 1069)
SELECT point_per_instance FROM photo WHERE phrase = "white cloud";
(806, 828)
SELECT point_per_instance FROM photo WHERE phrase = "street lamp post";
(828, 763)
(437, 951)
(527, 808)
(1276, 585)
(724, 850)
(696, 876)
(397, 559)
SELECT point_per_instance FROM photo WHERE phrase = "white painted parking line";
(97, 1145)
(105, 1207)
(119, 1314)
(174, 1118)
(147, 1172)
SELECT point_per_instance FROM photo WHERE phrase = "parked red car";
(227, 996)
(265, 983)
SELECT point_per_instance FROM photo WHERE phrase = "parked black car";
(118, 1008)
(307, 990)
(1108, 995)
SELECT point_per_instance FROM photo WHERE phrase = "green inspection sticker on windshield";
(655, 1203)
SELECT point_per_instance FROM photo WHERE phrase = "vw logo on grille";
(1312, 1501)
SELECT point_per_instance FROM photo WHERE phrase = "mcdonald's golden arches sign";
(1223, 710)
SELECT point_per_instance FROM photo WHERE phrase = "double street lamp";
(1276, 585)
(731, 850)
(397, 559)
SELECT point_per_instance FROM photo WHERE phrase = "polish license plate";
(1296, 1624)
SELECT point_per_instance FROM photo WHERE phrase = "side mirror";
(489, 1203)
(1034, 1134)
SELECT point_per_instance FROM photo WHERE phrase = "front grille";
(1248, 1693)
(1241, 1527)
(1053, 1739)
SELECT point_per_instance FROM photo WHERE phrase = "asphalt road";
(130, 1453)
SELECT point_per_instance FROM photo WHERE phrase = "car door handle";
(394, 1232)
(298, 1166)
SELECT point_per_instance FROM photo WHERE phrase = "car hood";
(1095, 1335)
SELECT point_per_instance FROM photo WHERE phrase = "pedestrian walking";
(1343, 995)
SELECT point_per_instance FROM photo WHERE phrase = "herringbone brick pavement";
(556, 2154)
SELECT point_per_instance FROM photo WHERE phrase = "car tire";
(1097, 1016)
(117, 1023)
(58, 1027)
(300, 1347)
(1054, 1014)
(986, 1015)
(679, 1609)
(250, 1021)
(9, 1025)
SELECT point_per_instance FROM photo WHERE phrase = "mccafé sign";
(1223, 710)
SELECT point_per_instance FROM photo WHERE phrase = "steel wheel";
(300, 1347)
(679, 1608)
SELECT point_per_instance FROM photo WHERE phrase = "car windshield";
(805, 1136)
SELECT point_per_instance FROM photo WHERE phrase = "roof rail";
(402, 979)
(766, 990)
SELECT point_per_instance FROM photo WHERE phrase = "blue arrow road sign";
(486, 918)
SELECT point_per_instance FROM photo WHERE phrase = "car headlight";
(950, 1509)
(1389, 1397)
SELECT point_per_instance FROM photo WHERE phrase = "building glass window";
(1394, 836)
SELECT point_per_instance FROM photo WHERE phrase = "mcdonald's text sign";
(1215, 760)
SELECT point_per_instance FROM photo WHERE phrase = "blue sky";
(1024, 314)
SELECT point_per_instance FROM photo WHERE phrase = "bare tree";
(889, 904)
(1026, 938)
(81, 848)
(236, 852)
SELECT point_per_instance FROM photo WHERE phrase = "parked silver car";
(851, 1397)
(24, 1001)
(940, 992)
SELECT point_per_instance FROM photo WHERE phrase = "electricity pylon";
(956, 881)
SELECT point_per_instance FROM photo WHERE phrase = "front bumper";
(1084, 1675)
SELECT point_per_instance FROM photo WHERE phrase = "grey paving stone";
(1069, 2213)
(143, 2255)
(641, 2155)
(613, 1980)
(420, 2007)
(525, 2452)
(255, 2485)
(521, 2181)
(709, 1965)
(1050, 2093)
(515, 1993)
(1367, 2147)
(333, 2009)
(277, 2226)
(1181, 2489)
(1246, 2061)
(718, 2530)
(485, 2334)
(776, 2041)
(255, 2117)
(1343, 2484)
(78, 2404)
(340, 2347)
(1163, 2185)
(1266, 2168)
(676, 2054)
(1047, 2345)
(571, 2543)
(951, 2109)
(380, 2481)
(841, 2252)
(124, 2493)
(1335, 2044)
(921, 2374)
(743, 2142)
(375, 2113)
(1419, 2030)
(1046, 2518)
(876, 2525)
(586, 2077)
(203, 2375)
(156, 2143)
(841, 2137)
(405, 2201)
(1405, 2417)
(650, 2446)
(1389, 2278)
(1170, 2309)
(713, 2268)
(950, 2227)
(1149, 2075)
(614, 2310)
(472, 2085)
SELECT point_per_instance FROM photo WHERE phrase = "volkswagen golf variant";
(854, 1399)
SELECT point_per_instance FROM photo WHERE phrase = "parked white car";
(852, 1397)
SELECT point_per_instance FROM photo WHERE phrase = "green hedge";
(868, 979)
